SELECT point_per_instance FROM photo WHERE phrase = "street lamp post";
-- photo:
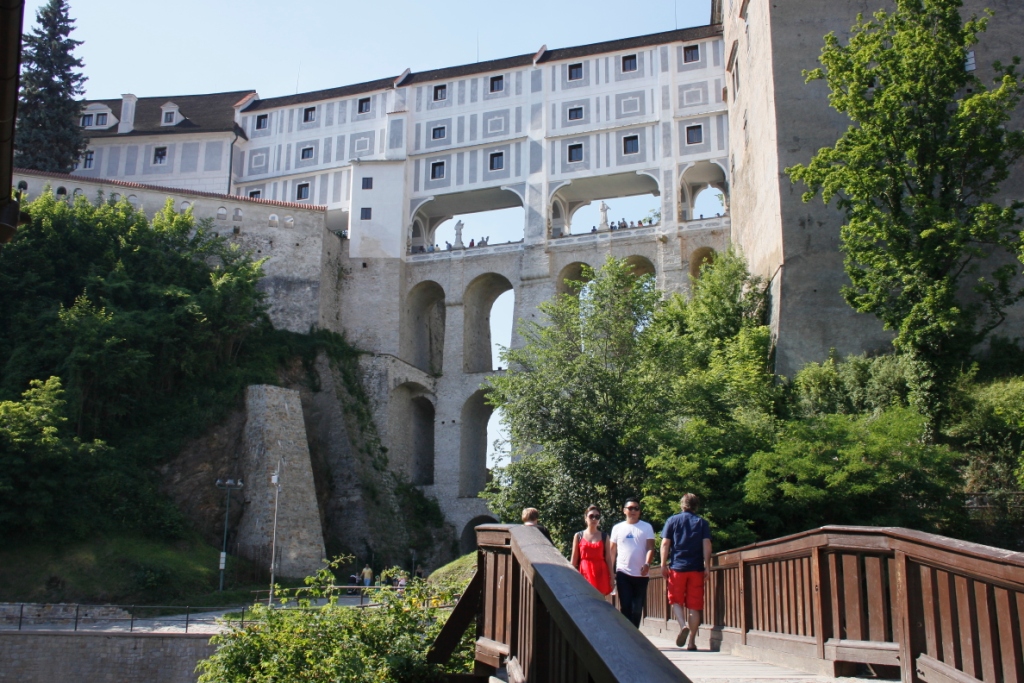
(276, 481)
(228, 486)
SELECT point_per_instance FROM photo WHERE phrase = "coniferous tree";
(48, 137)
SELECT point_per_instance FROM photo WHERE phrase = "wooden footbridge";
(837, 601)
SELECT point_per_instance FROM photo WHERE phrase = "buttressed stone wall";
(275, 442)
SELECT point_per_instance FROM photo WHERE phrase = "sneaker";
(681, 638)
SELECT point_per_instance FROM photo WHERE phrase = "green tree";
(857, 469)
(43, 467)
(582, 399)
(47, 136)
(916, 174)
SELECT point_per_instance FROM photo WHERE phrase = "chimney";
(127, 121)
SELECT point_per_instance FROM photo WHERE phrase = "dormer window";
(86, 120)
(169, 114)
(101, 119)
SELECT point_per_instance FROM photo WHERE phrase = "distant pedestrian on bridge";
(531, 517)
(591, 553)
(685, 557)
(632, 546)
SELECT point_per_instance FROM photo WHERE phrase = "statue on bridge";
(458, 236)
(603, 225)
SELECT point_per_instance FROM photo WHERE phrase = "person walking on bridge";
(685, 557)
(632, 546)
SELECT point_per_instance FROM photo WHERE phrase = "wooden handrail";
(827, 599)
(539, 618)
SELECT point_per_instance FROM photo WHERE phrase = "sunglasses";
(593, 516)
(632, 508)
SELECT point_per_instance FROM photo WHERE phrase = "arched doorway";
(411, 439)
(422, 340)
(467, 543)
(700, 257)
(476, 413)
(477, 304)
(640, 265)
(700, 179)
(574, 272)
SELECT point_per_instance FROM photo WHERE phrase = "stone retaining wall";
(48, 657)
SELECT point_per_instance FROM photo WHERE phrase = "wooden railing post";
(744, 581)
(822, 600)
(904, 609)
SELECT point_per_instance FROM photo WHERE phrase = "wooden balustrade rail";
(944, 611)
(541, 620)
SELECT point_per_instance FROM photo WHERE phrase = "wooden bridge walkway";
(827, 603)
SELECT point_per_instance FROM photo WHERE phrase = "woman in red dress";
(590, 553)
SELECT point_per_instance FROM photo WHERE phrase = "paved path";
(704, 666)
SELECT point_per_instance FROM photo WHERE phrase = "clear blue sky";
(184, 47)
(194, 46)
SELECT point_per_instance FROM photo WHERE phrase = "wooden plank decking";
(705, 666)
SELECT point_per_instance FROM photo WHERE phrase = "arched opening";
(222, 214)
(62, 193)
(422, 340)
(558, 224)
(185, 206)
(640, 265)
(477, 305)
(502, 319)
(411, 438)
(704, 192)
(289, 221)
(498, 448)
(238, 215)
(700, 257)
(272, 221)
(22, 186)
(630, 199)
(476, 413)
(574, 272)
(467, 543)
(488, 217)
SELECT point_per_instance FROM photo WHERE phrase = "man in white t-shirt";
(632, 546)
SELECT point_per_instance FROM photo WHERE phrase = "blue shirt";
(687, 532)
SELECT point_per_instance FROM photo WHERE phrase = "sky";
(152, 49)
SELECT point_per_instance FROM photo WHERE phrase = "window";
(364, 105)
(735, 79)
(694, 134)
(255, 194)
(497, 83)
(302, 191)
(497, 161)
(160, 156)
(576, 113)
(575, 153)
(629, 63)
(437, 133)
(437, 170)
(365, 213)
(631, 144)
(309, 115)
(575, 72)
(306, 153)
(168, 117)
(970, 64)
(101, 119)
(367, 183)
(87, 159)
(691, 53)
(440, 93)
(262, 121)
(86, 120)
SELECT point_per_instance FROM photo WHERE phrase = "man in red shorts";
(685, 554)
